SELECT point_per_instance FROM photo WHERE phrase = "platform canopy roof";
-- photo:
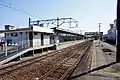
(60, 30)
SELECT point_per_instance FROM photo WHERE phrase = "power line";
(16, 9)
(5, 2)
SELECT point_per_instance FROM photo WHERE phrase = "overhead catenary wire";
(5, 2)
(8, 5)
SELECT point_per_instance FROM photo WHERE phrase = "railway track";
(62, 71)
(83, 65)
(54, 66)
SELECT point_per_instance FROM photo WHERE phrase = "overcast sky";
(87, 12)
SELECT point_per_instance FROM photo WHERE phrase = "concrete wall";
(52, 39)
(37, 40)
(56, 39)
(46, 39)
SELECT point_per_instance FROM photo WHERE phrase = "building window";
(11, 34)
(14, 34)
(20, 32)
(35, 33)
(7, 34)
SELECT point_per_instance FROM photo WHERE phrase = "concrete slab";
(109, 46)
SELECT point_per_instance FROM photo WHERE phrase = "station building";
(34, 36)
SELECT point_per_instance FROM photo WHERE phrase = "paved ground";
(109, 46)
(103, 58)
(99, 58)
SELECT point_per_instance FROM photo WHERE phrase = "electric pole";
(99, 31)
(29, 22)
(57, 22)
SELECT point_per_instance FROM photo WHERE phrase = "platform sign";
(9, 27)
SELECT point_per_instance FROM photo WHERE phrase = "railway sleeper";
(64, 67)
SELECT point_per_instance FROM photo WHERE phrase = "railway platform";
(109, 46)
(67, 44)
(5, 59)
(60, 46)
(104, 54)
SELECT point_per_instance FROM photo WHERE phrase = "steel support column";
(118, 32)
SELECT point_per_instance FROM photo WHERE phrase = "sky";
(88, 13)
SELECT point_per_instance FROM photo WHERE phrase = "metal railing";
(12, 49)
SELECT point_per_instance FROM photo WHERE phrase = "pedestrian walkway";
(103, 65)
(100, 58)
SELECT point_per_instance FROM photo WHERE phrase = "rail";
(46, 65)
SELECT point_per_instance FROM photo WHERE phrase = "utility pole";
(118, 32)
(29, 22)
(56, 34)
(57, 22)
(70, 24)
(99, 32)
(99, 29)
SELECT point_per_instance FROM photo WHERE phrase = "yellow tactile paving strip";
(93, 65)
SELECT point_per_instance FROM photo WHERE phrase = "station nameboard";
(9, 27)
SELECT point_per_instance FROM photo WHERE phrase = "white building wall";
(37, 40)
(57, 39)
(46, 39)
